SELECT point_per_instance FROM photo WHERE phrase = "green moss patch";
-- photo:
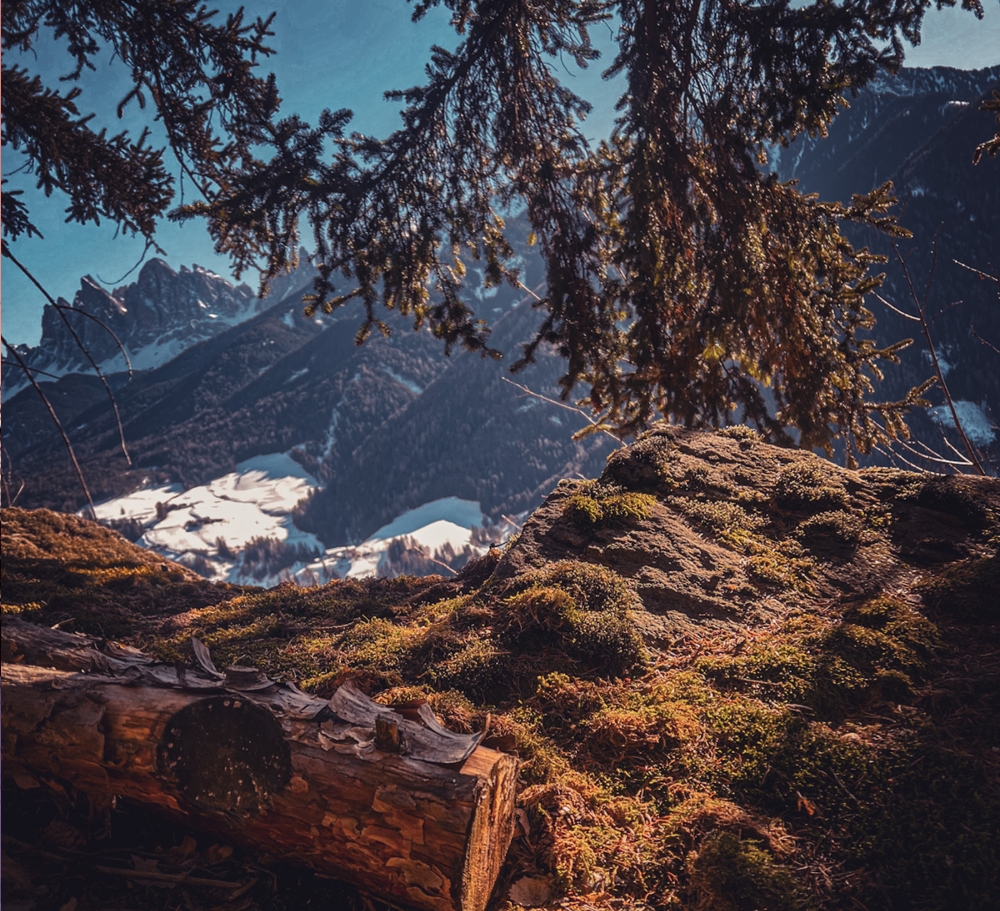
(598, 505)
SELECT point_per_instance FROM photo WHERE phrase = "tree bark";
(418, 816)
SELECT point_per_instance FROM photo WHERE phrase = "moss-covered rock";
(727, 669)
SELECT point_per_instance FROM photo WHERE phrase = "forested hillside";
(918, 129)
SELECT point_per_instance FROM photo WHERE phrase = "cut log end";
(491, 831)
(226, 754)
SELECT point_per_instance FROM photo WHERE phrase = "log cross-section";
(265, 768)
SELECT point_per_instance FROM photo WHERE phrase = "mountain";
(155, 318)
(918, 129)
(379, 430)
(394, 425)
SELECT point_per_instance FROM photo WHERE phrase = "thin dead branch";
(55, 420)
(559, 404)
(59, 308)
(51, 376)
(7, 477)
(982, 275)
(981, 340)
(921, 306)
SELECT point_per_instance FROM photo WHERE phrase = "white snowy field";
(977, 425)
(432, 525)
(210, 526)
(255, 501)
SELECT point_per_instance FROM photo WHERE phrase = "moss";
(742, 433)
(595, 588)
(882, 634)
(771, 668)
(584, 511)
(541, 760)
(776, 566)
(835, 532)
(536, 618)
(730, 874)
(730, 522)
(604, 506)
(629, 734)
(811, 487)
(607, 643)
(966, 590)
(547, 618)
(455, 710)
(877, 649)
(381, 647)
(324, 685)
(626, 507)
(747, 736)
(480, 671)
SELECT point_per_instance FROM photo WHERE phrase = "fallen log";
(397, 805)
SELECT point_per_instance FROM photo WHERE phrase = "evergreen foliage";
(683, 279)
(198, 74)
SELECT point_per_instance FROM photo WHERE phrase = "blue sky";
(329, 53)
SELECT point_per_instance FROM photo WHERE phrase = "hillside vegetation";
(737, 677)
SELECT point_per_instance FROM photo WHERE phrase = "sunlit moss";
(810, 486)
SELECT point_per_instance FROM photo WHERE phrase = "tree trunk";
(402, 808)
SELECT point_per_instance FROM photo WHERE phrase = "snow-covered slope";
(240, 528)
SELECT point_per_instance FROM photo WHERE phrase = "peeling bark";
(270, 768)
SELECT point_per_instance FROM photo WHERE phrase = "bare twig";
(106, 328)
(35, 370)
(981, 340)
(559, 404)
(980, 273)
(55, 420)
(59, 309)
(944, 310)
(450, 569)
(896, 310)
(921, 306)
(6, 477)
(928, 455)
(893, 456)
(156, 876)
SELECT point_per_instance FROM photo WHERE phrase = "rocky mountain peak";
(156, 317)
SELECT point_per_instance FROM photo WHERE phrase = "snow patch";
(447, 519)
(139, 505)
(403, 381)
(943, 362)
(255, 501)
(977, 425)
(331, 432)
(434, 525)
